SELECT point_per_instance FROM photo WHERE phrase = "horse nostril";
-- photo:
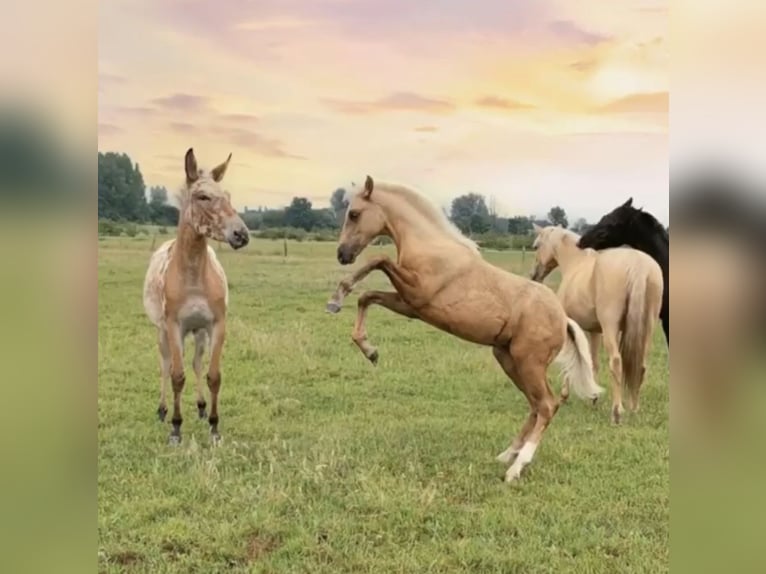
(242, 237)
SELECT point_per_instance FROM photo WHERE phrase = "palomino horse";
(185, 290)
(626, 225)
(441, 278)
(615, 293)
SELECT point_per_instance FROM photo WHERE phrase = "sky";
(531, 103)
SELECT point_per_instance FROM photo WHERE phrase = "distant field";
(331, 465)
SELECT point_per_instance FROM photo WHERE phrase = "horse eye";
(203, 197)
(353, 215)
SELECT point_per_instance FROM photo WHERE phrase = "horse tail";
(576, 363)
(637, 323)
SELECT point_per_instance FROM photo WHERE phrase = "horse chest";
(195, 314)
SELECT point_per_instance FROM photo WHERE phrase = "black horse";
(627, 225)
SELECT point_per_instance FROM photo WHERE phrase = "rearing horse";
(440, 278)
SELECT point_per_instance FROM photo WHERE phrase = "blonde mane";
(425, 207)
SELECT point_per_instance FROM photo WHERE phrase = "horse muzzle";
(239, 238)
(346, 254)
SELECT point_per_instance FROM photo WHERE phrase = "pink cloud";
(655, 102)
(572, 33)
(108, 129)
(182, 102)
(400, 101)
(502, 103)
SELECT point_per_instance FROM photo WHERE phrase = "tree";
(273, 218)
(519, 225)
(324, 218)
(581, 225)
(338, 200)
(121, 189)
(470, 214)
(160, 211)
(558, 216)
(299, 214)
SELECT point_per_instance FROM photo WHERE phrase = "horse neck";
(191, 250)
(657, 248)
(568, 255)
(408, 229)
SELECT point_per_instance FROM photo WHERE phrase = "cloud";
(109, 80)
(396, 102)
(584, 65)
(238, 118)
(183, 128)
(182, 102)
(426, 129)
(571, 32)
(256, 142)
(502, 103)
(108, 129)
(136, 111)
(653, 102)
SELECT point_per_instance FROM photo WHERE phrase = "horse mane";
(183, 197)
(428, 209)
(652, 222)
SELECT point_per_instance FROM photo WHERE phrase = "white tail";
(576, 363)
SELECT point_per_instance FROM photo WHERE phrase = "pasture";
(329, 464)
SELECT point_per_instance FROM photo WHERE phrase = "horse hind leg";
(200, 341)
(505, 360)
(647, 347)
(164, 348)
(527, 368)
(612, 347)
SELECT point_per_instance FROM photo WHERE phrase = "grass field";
(331, 465)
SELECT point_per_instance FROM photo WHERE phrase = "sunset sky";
(532, 102)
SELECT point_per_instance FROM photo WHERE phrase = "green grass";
(329, 464)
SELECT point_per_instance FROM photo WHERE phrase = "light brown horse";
(185, 290)
(615, 293)
(441, 278)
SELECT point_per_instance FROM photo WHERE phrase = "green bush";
(130, 229)
(324, 235)
(110, 228)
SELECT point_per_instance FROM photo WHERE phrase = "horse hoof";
(373, 357)
(594, 400)
(162, 412)
(174, 440)
(333, 307)
(215, 439)
(202, 410)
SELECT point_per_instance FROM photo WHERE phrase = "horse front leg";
(392, 302)
(177, 376)
(396, 274)
(218, 335)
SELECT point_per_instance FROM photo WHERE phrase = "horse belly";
(467, 320)
(195, 314)
(581, 309)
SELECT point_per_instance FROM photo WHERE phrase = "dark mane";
(652, 222)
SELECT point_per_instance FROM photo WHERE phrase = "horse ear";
(220, 170)
(190, 164)
(628, 203)
(368, 185)
(536, 228)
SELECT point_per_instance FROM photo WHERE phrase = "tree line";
(124, 197)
